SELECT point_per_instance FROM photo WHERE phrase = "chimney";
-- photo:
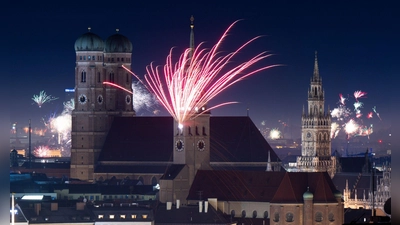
(178, 203)
(169, 204)
(205, 206)
(200, 206)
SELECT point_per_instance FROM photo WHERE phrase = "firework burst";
(42, 98)
(198, 76)
(41, 151)
(352, 121)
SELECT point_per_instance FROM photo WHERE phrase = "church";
(109, 140)
(316, 145)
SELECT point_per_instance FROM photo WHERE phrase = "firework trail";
(342, 99)
(42, 98)
(377, 114)
(189, 84)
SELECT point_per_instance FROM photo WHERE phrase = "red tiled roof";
(275, 187)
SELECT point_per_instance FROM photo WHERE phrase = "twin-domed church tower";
(96, 104)
(315, 130)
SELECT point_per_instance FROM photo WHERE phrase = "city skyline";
(356, 51)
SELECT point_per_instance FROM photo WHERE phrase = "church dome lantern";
(118, 43)
(89, 42)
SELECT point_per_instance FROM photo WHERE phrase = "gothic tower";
(96, 104)
(192, 139)
(316, 128)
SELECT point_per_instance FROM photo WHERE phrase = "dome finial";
(117, 30)
(89, 29)
(191, 22)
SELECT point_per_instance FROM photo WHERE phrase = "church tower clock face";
(128, 99)
(82, 99)
(179, 145)
(201, 145)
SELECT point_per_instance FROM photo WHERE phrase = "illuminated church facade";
(110, 141)
(315, 130)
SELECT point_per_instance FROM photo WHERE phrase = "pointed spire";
(304, 112)
(191, 45)
(269, 162)
(89, 29)
(316, 70)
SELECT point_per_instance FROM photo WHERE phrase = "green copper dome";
(118, 43)
(89, 42)
(308, 195)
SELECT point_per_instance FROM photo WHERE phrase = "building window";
(289, 217)
(83, 76)
(331, 217)
(112, 59)
(243, 213)
(266, 215)
(127, 78)
(276, 217)
(101, 216)
(134, 216)
(144, 216)
(111, 77)
(122, 59)
(84, 57)
(233, 213)
(80, 57)
(111, 216)
(108, 59)
(98, 77)
(122, 216)
(88, 57)
(117, 59)
(254, 214)
(318, 217)
(93, 58)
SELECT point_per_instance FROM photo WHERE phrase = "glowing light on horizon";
(197, 77)
(42, 98)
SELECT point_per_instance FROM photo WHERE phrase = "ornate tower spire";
(191, 44)
(316, 70)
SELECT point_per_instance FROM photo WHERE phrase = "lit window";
(111, 216)
(122, 216)
(133, 216)
(88, 57)
(144, 216)
(101, 216)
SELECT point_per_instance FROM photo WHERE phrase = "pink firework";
(342, 99)
(189, 84)
(359, 94)
(41, 151)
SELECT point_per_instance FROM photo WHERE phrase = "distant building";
(316, 128)
(262, 197)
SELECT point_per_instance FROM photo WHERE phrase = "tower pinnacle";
(316, 70)
(191, 45)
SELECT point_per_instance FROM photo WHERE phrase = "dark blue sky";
(357, 44)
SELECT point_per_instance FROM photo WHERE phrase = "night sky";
(357, 46)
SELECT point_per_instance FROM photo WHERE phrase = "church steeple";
(191, 44)
(316, 70)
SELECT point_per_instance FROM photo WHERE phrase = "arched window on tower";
(111, 78)
(98, 77)
(83, 76)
